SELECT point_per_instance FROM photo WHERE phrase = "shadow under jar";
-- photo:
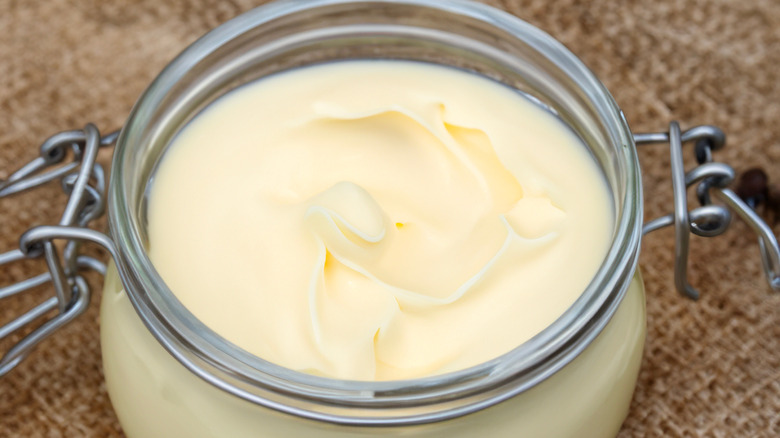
(170, 375)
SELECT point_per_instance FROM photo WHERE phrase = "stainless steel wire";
(84, 181)
(708, 219)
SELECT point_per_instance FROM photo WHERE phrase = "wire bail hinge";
(83, 179)
(708, 219)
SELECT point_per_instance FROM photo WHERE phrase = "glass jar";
(170, 375)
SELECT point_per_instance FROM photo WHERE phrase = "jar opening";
(287, 34)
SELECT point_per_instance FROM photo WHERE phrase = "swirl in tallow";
(377, 220)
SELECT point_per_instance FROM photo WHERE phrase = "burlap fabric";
(711, 368)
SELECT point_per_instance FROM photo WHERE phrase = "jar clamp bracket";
(708, 219)
(84, 181)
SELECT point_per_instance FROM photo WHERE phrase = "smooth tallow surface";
(377, 220)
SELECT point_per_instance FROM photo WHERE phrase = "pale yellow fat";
(377, 220)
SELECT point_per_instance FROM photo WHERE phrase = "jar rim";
(260, 381)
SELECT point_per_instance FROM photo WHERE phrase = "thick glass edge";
(621, 259)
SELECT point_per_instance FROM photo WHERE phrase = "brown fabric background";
(711, 368)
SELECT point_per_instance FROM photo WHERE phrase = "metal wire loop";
(84, 181)
(709, 219)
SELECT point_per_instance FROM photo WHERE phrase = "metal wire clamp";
(84, 180)
(708, 219)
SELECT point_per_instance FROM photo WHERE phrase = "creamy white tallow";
(377, 220)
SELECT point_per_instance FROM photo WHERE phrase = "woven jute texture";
(711, 368)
